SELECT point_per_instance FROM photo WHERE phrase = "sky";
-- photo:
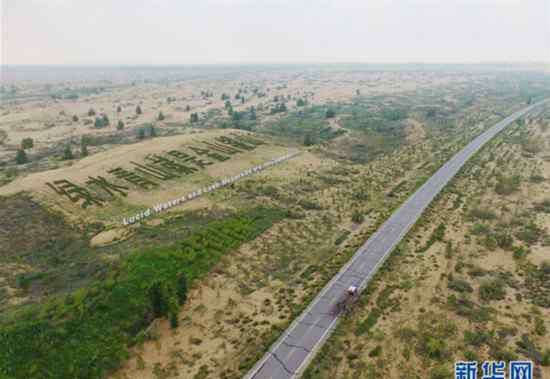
(165, 32)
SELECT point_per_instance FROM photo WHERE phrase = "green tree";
(98, 122)
(187, 108)
(27, 143)
(68, 153)
(75, 118)
(300, 103)
(141, 133)
(152, 131)
(91, 112)
(21, 157)
(138, 110)
(194, 117)
(330, 113)
(118, 109)
(120, 125)
(83, 148)
(309, 139)
(160, 116)
(105, 120)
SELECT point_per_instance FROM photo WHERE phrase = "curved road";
(290, 355)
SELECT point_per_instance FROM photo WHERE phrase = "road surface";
(290, 355)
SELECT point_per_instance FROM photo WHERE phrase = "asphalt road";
(290, 355)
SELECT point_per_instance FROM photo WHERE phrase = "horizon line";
(287, 63)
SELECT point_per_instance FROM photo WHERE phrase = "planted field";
(87, 332)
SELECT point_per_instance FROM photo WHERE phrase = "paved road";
(290, 355)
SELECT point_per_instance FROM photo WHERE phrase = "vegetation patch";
(87, 332)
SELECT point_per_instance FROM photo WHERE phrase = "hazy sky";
(273, 31)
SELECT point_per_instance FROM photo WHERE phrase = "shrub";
(375, 352)
(357, 217)
(21, 157)
(480, 229)
(492, 290)
(477, 338)
(440, 372)
(68, 153)
(504, 241)
(483, 214)
(543, 206)
(460, 285)
(530, 233)
(507, 185)
(27, 143)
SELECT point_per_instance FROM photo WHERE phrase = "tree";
(358, 92)
(309, 139)
(225, 96)
(98, 122)
(194, 117)
(75, 118)
(138, 110)
(152, 131)
(141, 133)
(252, 113)
(21, 157)
(27, 143)
(118, 109)
(120, 125)
(160, 116)
(187, 108)
(68, 153)
(83, 148)
(330, 113)
(227, 104)
(91, 112)
(300, 103)
(242, 99)
(106, 120)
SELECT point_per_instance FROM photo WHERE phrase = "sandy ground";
(99, 164)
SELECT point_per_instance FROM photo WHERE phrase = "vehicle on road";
(350, 297)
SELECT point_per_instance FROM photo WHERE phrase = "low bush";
(492, 290)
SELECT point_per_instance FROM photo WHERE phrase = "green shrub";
(357, 217)
(476, 338)
(460, 285)
(507, 185)
(440, 372)
(492, 290)
(483, 214)
(375, 352)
